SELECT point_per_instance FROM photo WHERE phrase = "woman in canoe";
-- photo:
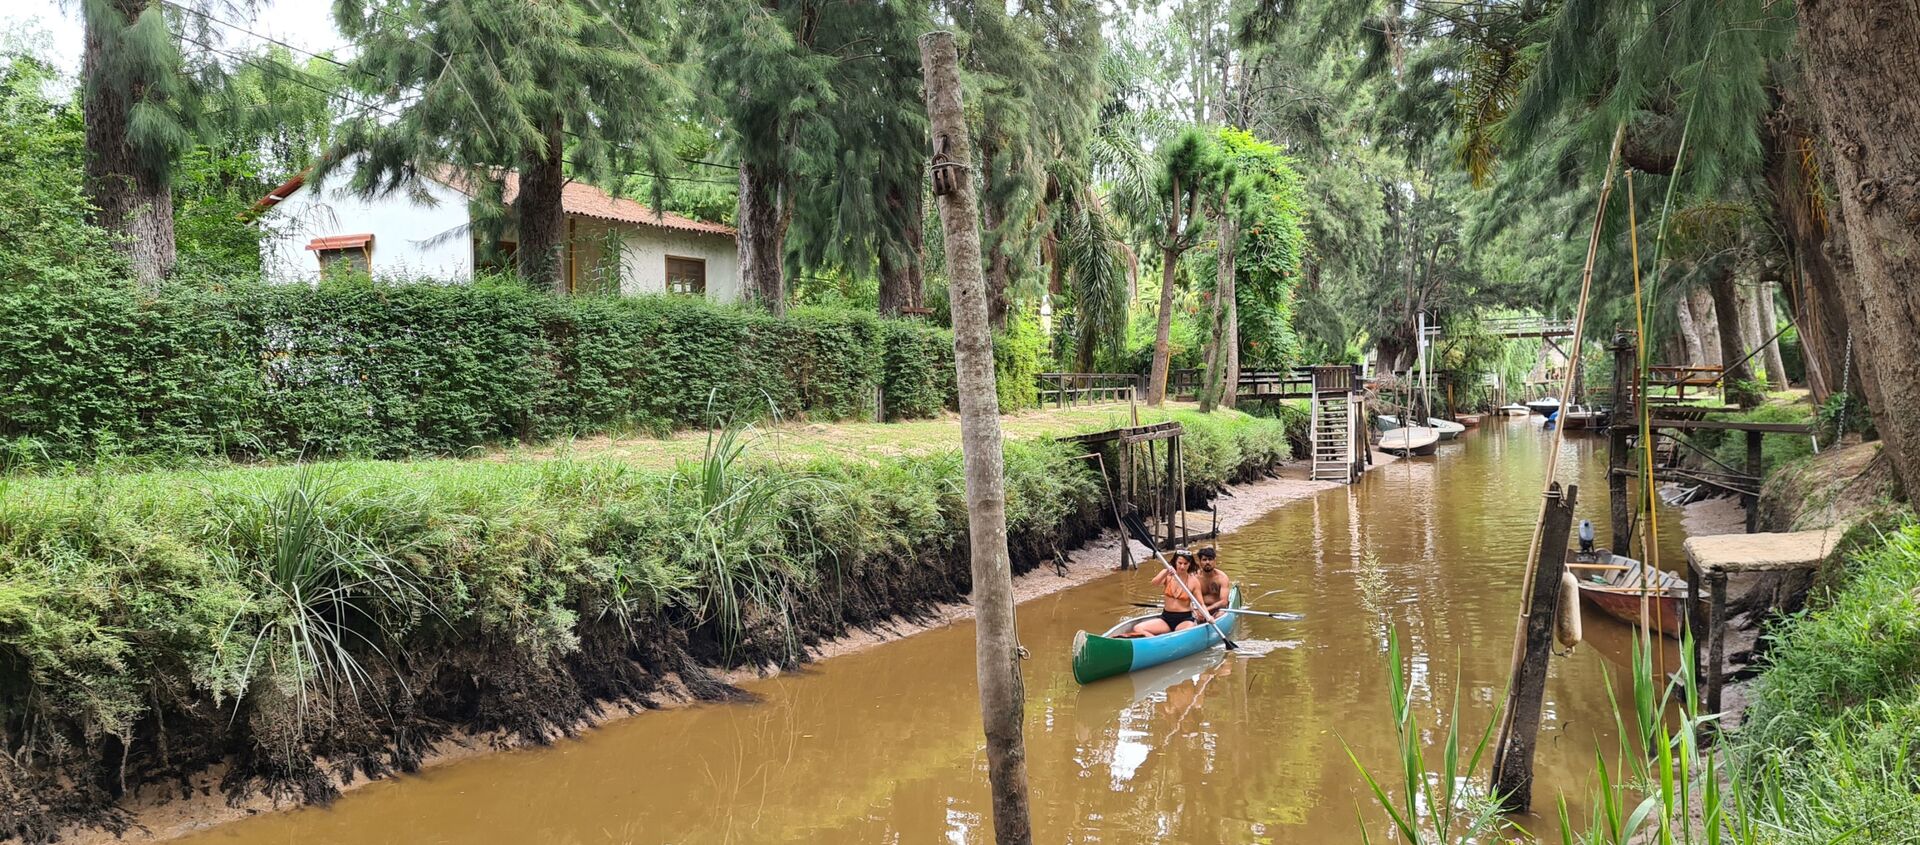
(1178, 612)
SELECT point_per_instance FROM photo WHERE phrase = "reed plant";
(1826, 753)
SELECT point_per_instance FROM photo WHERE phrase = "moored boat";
(1097, 656)
(1613, 583)
(1410, 440)
(1448, 429)
(1470, 420)
(1514, 410)
(1388, 422)
(1581, 417)
(1544, 406)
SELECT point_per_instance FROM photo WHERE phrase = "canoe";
(1470, 420)
(1544, 406)
(1389, 422)
(1448, 429)
(1097, 656)
(1417, 440)
(1616, 589)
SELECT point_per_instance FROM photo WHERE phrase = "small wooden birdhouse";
(948, 174)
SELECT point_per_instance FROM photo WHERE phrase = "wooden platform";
(1711, 559)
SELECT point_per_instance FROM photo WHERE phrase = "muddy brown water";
(883, 746)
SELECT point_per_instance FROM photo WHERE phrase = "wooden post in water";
(1526, 692)
(1625, 367)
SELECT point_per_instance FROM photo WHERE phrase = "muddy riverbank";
(178, 806)
(882, 744)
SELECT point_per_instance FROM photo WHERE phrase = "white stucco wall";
(644, 260)
(411, 238)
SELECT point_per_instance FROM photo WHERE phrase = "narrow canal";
(884, 746)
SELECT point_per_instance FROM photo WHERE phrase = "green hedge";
(360, 368)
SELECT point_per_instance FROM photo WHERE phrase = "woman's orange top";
(1177, 598)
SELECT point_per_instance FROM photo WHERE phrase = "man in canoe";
(1177, 613)
(1216, 589)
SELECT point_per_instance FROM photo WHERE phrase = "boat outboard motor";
(1586, 536)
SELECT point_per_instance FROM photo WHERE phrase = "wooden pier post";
(1756, 471)
(1625, 367)
(1526, 692)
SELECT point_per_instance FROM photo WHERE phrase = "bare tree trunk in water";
(1737, 377)
(1769, 321)
(996, 647)
(1862, 67)
(130, 199)
(900, 275)
(1689, 332)
(762, 237)
(1163, 333)
(1708, 323)
(541, 254)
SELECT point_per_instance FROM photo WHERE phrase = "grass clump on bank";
(1833, 734)
(353, 612)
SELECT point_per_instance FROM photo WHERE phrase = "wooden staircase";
(1335, 426)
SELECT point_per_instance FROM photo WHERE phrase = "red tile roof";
(340, 242)
(588, 201)
(575, 198)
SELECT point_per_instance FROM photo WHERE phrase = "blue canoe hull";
(1097, 656)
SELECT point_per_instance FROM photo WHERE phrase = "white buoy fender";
(1566, 627)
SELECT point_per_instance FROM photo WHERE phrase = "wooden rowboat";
(1470, 420)
(1097, 656)
(1412, 440)
(1612, 583)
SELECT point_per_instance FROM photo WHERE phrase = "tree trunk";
(999, 268)
(1163, 333)
(1220, 384)
(1815, 243)
(1748, 295)
(1770, 324)
(1862, 68)
(131, 198)
(1737, 377)
(996, 647)
(1230, 295)
(1689, 331)
(901, 266)
(761, 237)
(541, 253)
(1707, 321)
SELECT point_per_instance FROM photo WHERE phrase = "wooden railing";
(1297, 383)
(1064, 390)
(1680, 377)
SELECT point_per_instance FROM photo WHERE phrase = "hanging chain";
(1846, 379)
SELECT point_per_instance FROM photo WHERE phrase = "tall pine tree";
(568, 89)
(137, 104)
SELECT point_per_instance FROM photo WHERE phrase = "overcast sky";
(52, 27)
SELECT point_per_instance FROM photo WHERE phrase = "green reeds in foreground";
(1433, 807)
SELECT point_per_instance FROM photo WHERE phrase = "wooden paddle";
(1139, 532)
(1285, 617)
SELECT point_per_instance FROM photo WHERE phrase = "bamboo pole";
(1548, 499)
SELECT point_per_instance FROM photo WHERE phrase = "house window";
(686, 275)
(344, 253)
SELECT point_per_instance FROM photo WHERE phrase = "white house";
(428, 232)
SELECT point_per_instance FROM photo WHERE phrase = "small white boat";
(1448, 429)
(1410, 440)
(1545, 406)
(1514, 410)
